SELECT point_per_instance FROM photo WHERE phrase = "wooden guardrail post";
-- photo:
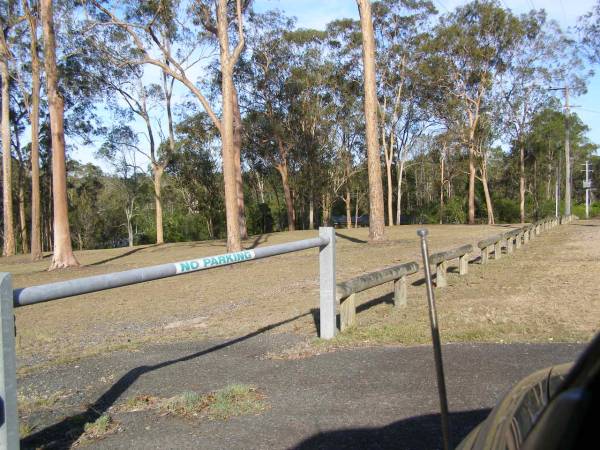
(463, 264)
(440, 274)
(440, 261)
(509, 244)
(519, 240)
(347, 312)
(346, 291)
(485, 255)
(498, 249)
(400, 288)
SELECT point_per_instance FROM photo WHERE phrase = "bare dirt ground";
(546, 291)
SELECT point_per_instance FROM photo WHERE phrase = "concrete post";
(400, 292)
(518, 241)
(9, 425)
(327, 285)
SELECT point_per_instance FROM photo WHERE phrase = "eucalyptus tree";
(63, 252)
(142, 32)
(348, 138)
(32, 13)
(469, 51)
(544, 57)
(269, 137)
(589, 27)
(120, 149)
(9, 18)
(140, 100)
(376, 213)
(194, 170)
(399, 27)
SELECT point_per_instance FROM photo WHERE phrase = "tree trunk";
(376, 215)
(129, 217)
(289, 203)
(326, 210)
(237, 144)
(488, 199)
(63, 253)
(390, 199)
(471, 216)
(22, 215)
(400, 170)
(522, 182)
(34, 114)
(442, 189)
(348, 202)
(356, 211)
(234, 243)
(311, 212)
(157, 172)
(7, 200)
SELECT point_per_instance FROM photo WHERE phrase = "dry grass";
(233, 400)
(93, 431)
(545, 291)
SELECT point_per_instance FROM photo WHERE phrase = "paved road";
(377, 398)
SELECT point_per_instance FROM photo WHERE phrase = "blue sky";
(317, 13)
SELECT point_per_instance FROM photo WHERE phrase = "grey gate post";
(327, 286)
(9, 426)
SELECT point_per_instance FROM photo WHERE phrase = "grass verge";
(233, 400)
(99, 429)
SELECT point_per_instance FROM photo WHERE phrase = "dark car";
(554, 408)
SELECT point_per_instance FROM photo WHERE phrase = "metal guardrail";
(347, 290)
(9, 299)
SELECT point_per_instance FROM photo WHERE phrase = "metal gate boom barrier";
(9, 429)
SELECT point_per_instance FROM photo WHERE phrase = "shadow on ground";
(350, 238)
(414, 433)
(64, 433)
(123, 255)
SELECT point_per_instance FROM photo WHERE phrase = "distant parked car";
(341, 221)
(554, 408)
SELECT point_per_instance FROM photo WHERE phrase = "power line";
(589, 110)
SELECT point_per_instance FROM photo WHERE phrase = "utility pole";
(565, 90)
(587, 185)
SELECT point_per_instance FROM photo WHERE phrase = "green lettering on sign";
(213, 261)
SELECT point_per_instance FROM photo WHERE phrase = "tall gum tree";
(63, 253)
(34, 118)
(470, 49)
(376, 214)
(7, 22)
(146, 39)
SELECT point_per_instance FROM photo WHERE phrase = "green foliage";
(578, 209)
(507, 210)
(455, 210)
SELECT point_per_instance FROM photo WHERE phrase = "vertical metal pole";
(9, 427)
(327, 283)
(556, 194)
(587, 190)
(435, 336)
(567, 155)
